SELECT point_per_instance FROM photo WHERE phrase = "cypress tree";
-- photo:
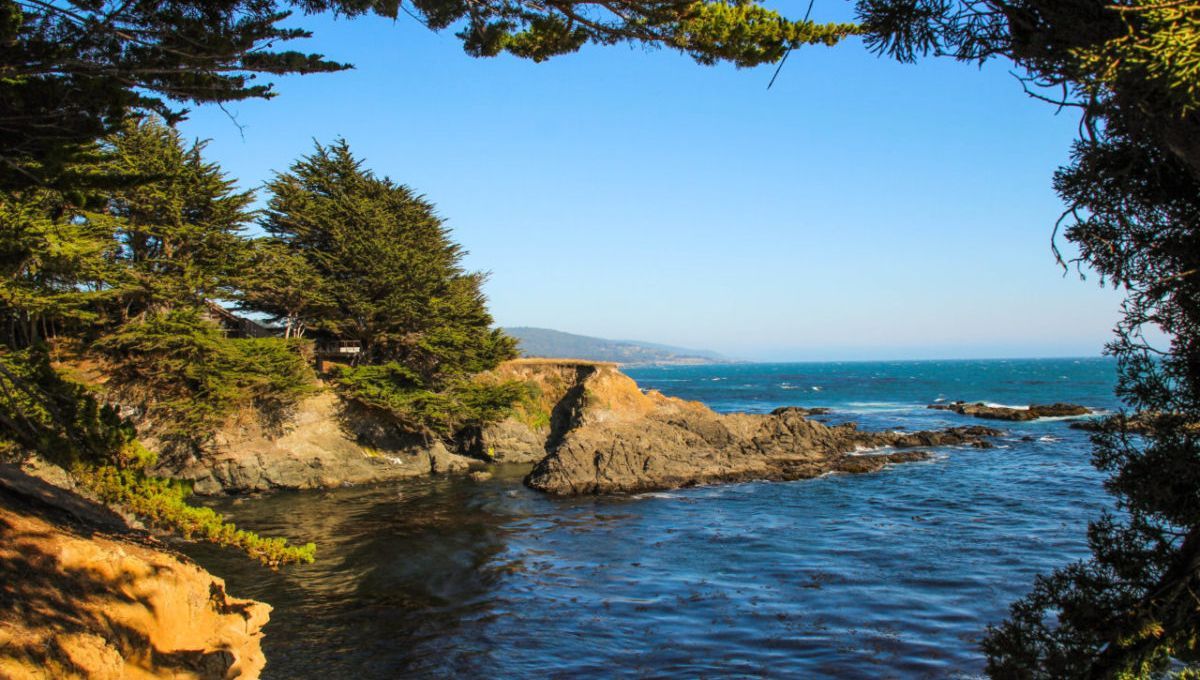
(384, 270)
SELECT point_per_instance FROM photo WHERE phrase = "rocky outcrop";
(624, 440)
(588, 427)
(323, 443)
(1032, 412)
(80, 597)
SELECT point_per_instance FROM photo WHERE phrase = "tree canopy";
(382, 268)
(72, 70)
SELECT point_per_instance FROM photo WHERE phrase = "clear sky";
(859, 209)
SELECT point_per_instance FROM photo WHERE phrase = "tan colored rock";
(624, 440)
(321, 444)
(77, 603)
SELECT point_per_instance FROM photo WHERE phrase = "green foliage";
(191, 377)
(62, 421)
(739, 31)
(399, 391)
(71, 71)
(1133, 195)
(279, 282)
(179, 227)
(52, 266)
(162, 504)
(372, 262)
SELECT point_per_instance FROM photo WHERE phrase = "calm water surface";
(894, 574)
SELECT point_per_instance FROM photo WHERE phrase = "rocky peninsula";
(590, 430)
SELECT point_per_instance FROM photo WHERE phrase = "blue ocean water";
(893, 574)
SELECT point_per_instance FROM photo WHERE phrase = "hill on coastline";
(543, 342)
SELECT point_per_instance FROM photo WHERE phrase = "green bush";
(162, 504)
(399, 392)
(62, 421)
(190, 377)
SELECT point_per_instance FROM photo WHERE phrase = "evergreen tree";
(54, 266)
(179, 226)
(1132, 70)
(70, 72)
(280, 282)
(386, 273)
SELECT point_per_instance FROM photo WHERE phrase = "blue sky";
(860, 209)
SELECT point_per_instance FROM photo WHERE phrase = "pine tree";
(386, 272)
(179, 226)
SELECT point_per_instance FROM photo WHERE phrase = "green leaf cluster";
(162, 504)
(399, 392)
(190, 377)
(743, 32)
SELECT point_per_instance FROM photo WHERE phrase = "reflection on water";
(894, 574)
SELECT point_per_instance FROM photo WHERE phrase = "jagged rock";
(80, 598)
(627, 441)
(817, 411)
(1033, 412)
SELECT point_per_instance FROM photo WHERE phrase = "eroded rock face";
(80, 602)
(627, 441)
(321, 445)
(1033, 412)
(590, 429)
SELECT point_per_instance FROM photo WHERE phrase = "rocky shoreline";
(591, 430)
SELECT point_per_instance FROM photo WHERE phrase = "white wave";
(1015, 408)
(1048, 438)
(816, 389)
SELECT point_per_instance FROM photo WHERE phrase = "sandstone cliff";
(81, 596)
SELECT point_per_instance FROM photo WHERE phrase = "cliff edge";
(83, 597)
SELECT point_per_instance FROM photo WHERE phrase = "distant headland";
(547, 343)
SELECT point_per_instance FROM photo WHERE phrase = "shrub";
(61, 420)
(190, 377)
(398, 391)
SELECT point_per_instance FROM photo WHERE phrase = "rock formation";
(1033, 412)
(324, 443)
(589, 429)
(623, 440)
(83, 596)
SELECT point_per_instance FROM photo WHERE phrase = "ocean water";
(895, 574)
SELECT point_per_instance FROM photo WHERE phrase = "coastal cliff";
(621, 439)
(323, 443)
(83, 596)
(588, 428)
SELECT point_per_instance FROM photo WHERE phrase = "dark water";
(894, 574)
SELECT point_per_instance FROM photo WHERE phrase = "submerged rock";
(1033, 412)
